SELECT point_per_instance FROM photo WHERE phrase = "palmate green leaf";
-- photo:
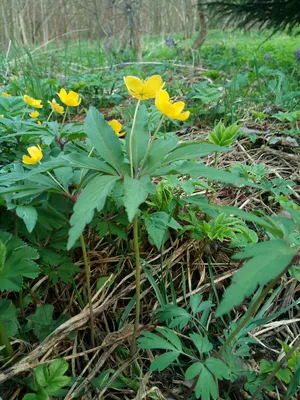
(164, 361)
(157, 224)
(267, 260)
(8, 317)
(217, 367)
(206, 385)
(29, 215)
(92, 197)
(188, 151)
(52, 378)
(104, 139)
(178, 317)
(202, 343)
(149, 340)
(140, 137)
(18, 263)
(135, 193)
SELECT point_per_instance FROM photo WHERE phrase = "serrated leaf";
(92, 197)
(8, 317)
(139, 139)
(267, 260)
(135, 193)
(29, 215)
(171, 336)
(202, 343)
(18, 263)
(157, 224)
(178, 317)
(164, 361)
(104, 139)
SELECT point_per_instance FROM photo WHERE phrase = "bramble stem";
(88, 283)
(137, 282)
(251, 312)
(4, 341)
(272, 374)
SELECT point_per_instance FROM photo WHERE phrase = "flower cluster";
(153, 88)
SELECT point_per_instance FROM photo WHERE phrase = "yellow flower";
(170, 109)
(35, 155)
(4, 94)
(143, 90)
(34, 114)
(116, 127)
(70, 99)
(39, 122)
(56, 107)
(32, 102)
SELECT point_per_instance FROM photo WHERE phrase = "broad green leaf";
(64, 176)
(18, 263)
(29, 215)
(92, 197)
(157, 224)
(41, 321)
(188, 151)
(140, 138)
(8, 317)
(164, 361)
(196, 169)
(284, 374)
(217, 367)
(83, 161)
(159, 149)
(104, 139)
(294, 384)
(267, 260)
(135, 193)
(202, 343)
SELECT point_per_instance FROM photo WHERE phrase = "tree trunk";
(203, 30)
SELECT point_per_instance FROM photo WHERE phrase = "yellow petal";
(28, 160)
(135, 86)
(183, 116)
(178, 107)
(152, 86)
(4, 94)
(62, 94)
(35, 153)
(121, 134)
(116, 125)
(34, 114)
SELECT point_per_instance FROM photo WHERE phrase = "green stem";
(131, 138)
(58, 183)
(152, 140)
(63, 121)
(81, 175)
(281, 364)
(88, 283)
(49, 116)
(4, 341)
(137, 283)
(251, 312)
